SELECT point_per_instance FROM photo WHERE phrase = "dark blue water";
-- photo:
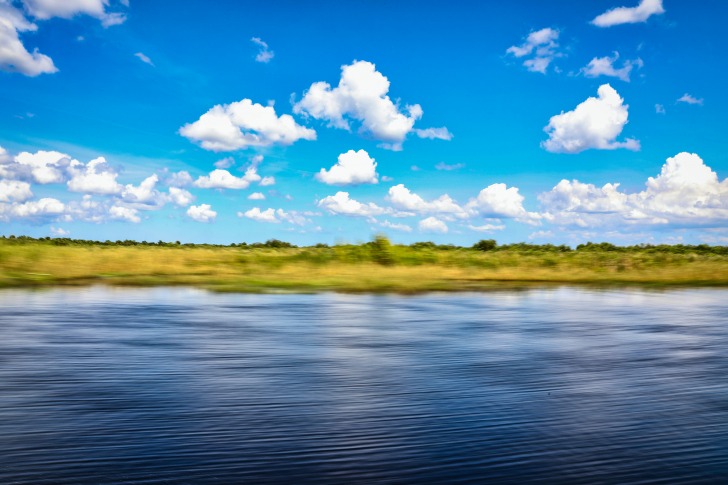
(181, 386)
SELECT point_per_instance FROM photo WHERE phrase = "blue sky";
(333, 121)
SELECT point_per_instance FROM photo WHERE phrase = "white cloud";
(432, 224)
(402, 198)
(689, 99)
(362, 96)
(59, 231)
(275, 216)
(33, 209)
(43, 167)
(487, 228)
(222, 179)
(604, 66)
(660, 109)
(268, 215)
(444, 166)
(123, 213)
(96, 177)
(142, 57)
(14, 191)
(256, 196)
(267, 181)
(685, 193)
(225, 163)
(594, 123)
(145, 193)
(629, 15)
(180, 197)
(264, 53)
(14, 57)
(441, 133)
(202, 213)
(500, 201)
(540, 48)
(342, 204)
(244, 124)
(46, 9)
(396, 226)
(179, 179)
(353, 168)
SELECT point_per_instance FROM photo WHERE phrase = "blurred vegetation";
(377, 265)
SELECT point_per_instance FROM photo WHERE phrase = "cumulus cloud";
(42, 167)
(685, 193)
(221, 179)
(226, 162)
(96, 177)
(14, 57)
(275, 216)
(594, 123)
(690, 99)
(264, 53)
(629, 15)
(353, 168)
(604, 66)
(242, 125)
(14, 191)
(202, 213)
(538, 49)
(180, 197)
(142, 57)
(267, 181)
(402, 198)
(44, 208)
(499, 201)
(256, 196)
(123, 213)
(362, 96)
(432, 224)
(340, 203)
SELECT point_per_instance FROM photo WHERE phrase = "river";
(174, 385)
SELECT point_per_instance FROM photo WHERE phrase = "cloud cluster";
(342, 204)
(594, 123)
(499, 201)
(629, 15)
(361, 95)
(685, 193)
(539, 49)
(244, 124)
(276, 216)
(352, 168)
(14, 57)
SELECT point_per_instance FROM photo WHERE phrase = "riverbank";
(371, 267)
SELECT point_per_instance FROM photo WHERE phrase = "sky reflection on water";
(104, 385)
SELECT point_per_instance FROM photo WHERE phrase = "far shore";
(377, 266)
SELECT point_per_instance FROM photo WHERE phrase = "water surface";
(147, 386)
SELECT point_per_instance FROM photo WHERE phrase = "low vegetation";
(373, 266)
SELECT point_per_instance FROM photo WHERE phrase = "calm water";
(182, 386)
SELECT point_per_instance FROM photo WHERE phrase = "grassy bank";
(375, 266)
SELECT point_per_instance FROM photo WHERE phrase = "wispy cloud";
(539, 48)
(142, 57)
(690, 99)
(264, 53)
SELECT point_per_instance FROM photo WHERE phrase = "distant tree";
(485, 245)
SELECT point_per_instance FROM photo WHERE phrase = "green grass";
(377, 266)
